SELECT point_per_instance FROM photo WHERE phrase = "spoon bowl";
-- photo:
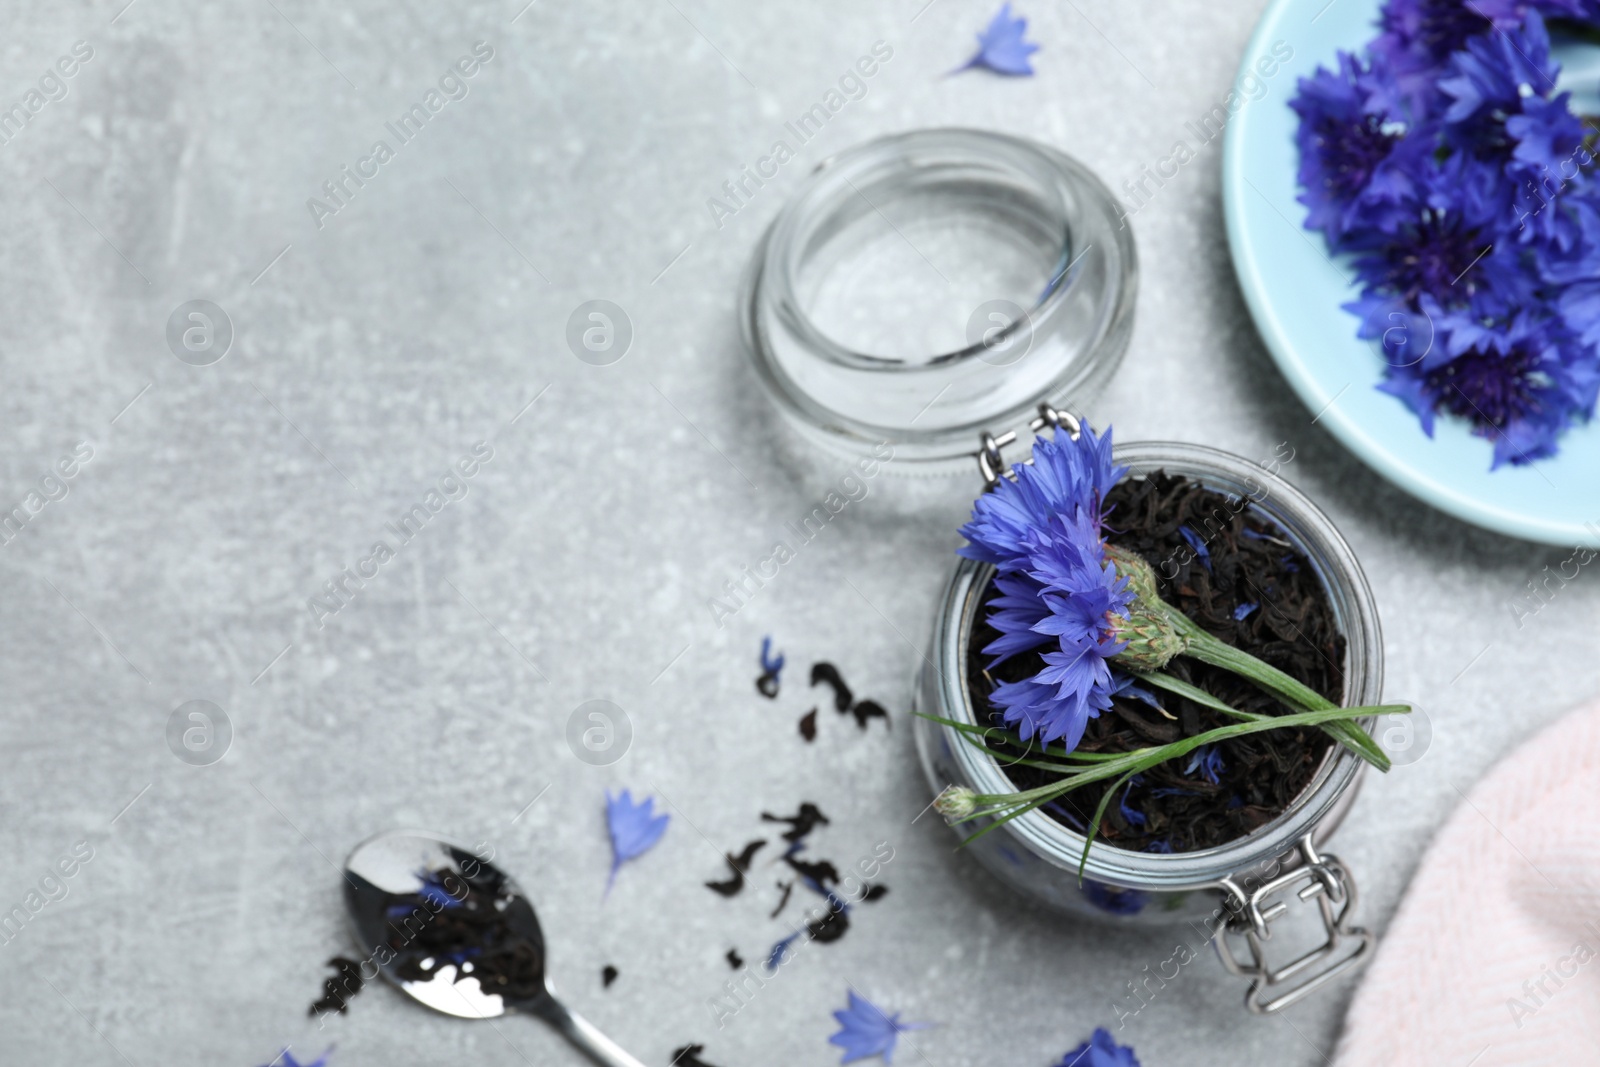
(455, 932)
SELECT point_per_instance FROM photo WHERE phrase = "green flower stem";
(1003, 807)
(1208, 649)
(1349, 734)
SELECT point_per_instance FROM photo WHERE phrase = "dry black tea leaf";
(874, 892)
(689, 1056)
(870, 709)
(826, 672)
(734, 959)
(608, 974)
(337, 991)
(788, 888)
(739, 865)
(801, 823)
(808, 725)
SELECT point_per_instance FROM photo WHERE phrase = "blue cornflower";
(1001, 47)
(1353, 159)
(1207, 759)
(635, 828)
(1043, 534)
(1101, 1050)
(1464, 187)
(864, 1031)
(1516, 390)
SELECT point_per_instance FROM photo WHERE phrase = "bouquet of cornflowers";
(1097, 610)
(1456, 179)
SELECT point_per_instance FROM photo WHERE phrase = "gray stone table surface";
(377, 345)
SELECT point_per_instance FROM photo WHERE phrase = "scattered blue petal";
(1243, 611)
(1101, 1050)
(1001, 47)
(1160, 846)
(286, 1059)
(635, 829)
(1207, 759)
(1114, 900)
(775, 958)
(1124, 685)
(1134, 816)
(1197, 543)
(1235, 801)
(865, 1031)
(769, 665)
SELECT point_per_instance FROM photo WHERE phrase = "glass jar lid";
(928, 287)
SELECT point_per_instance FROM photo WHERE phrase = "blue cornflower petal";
(1208, 761)
(769, 665)
(1134, 816)
(1114, 900)
(1243, 611)
(1123, 686)
(635, 829)
(1001, 47)
(864, 1030)
(286, 1059)
(1101, 1050)
(775, 958)
(1197, 543)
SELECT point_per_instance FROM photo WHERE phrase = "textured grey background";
(424, 317)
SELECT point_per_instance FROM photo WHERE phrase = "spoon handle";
(582, 1033)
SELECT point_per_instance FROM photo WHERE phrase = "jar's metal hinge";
(1327, 882)
(990, 463)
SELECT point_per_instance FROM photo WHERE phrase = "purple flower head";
(1043, 534)
(1001, 47)
(1453, 248)
(635, 828)
(1514, 387)
(1353, 157)
(864, 1031)
(1101, 1050)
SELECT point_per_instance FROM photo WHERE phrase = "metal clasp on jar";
(1328, 883)
(990, 463)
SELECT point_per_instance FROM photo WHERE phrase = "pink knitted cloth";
(1493, 958)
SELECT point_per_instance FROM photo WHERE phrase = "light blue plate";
(1295, 291)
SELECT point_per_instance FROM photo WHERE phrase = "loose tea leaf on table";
(337, 991)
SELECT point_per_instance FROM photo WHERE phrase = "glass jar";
(926, 287)
(931, 290)
(1233, 887)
